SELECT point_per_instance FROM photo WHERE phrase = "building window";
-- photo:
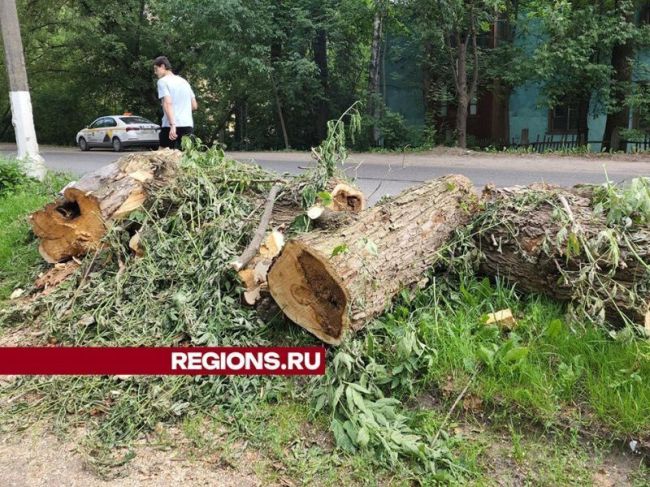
(563, 118)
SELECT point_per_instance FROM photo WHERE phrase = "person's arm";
(195, 105)
(168, 108)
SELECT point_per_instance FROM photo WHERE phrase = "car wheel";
(83, 145)
(117, 145)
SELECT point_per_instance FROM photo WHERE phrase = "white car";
(118, 132)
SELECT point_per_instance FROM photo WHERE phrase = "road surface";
(381, 174)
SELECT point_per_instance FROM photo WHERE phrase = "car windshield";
(135, 120)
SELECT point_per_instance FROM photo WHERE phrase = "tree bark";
(75, 224)
(320, 58)
(334, 280)
(374, 93)
(461, 93)
(544, 240)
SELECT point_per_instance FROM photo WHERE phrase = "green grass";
(545, 369)
(19, 256)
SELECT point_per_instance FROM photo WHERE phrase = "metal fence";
(557, 142)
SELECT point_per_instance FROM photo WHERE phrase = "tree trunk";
(546, 240)
(320, 58)
(276, 53)
(334, 280)
(583, 119)
(462, 95)
(374, 94)
(622, 55)
(75, 224)
(346, 200)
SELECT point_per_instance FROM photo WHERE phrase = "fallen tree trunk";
(75, 224)
(332, 280)
(552, 241)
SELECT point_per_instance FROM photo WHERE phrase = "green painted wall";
(402, 80)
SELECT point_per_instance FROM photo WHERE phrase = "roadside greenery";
(270, 74)
(19, 195)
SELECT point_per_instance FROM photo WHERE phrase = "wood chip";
(18, 292)
(502, 318)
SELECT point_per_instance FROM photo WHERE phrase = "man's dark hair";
(162, 61)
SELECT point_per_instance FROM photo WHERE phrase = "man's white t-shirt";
(181, 94)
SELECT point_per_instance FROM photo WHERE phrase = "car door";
(108, 129)
(91, 132)
(100, 132)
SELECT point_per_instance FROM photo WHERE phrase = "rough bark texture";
(75, 224)
(538, 237)
(330, 281)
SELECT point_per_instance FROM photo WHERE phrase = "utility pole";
(21, 104)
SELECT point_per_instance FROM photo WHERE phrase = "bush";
(11, 177)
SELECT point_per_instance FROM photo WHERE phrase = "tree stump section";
(345, 200)
(75, 224)
(549, 240)
(338, 279)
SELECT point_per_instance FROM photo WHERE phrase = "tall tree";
(578, 62)
(629, 37)
(450, 31)
(375, 100)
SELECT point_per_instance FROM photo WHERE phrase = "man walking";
(178, 103)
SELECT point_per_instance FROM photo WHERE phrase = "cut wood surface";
(549, 240)
(75, 224)
(333, 280)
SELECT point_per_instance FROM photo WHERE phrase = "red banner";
(162, 361)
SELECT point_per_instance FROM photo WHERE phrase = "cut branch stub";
(331, 280)
(75, 224)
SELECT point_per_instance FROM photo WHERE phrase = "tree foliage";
(271, 73)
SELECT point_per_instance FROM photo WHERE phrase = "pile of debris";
(310, 246)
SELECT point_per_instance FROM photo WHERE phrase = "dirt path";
(38, 458)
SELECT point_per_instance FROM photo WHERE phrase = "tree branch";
(254, 245)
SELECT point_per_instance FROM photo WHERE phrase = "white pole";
(21, 104)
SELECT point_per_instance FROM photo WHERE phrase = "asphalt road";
(380, 174)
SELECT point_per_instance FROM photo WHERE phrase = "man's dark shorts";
(173, 144)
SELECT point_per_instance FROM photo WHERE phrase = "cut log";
(338, 279)
(346, 200)
(289, 204)
(75, 224)
(549, 240)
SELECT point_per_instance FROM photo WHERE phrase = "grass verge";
(19, 196)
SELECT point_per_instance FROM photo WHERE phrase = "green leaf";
(339, 249)
(554, 328)
(516, 354)
(325, 198)
(340, 436)
(363, 437)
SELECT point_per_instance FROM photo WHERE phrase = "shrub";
(11, 176)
